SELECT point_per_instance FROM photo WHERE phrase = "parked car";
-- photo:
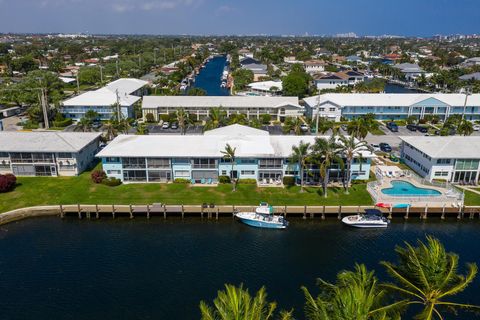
(166, 125)
(422, 129)
(96, 124)
(174, 126)
(412, 127)
(392, 126)
(375, 147)
(304, 127)
(385, 147)
(476, 127)
(344, 127)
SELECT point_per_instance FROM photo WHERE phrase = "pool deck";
(447, 197)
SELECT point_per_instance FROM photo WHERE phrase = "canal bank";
(162, 269)
(210, 77)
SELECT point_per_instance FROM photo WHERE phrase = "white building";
(393, 106)
(200, 106)
(266, 87)
(124, 92)
(314, 66)
(411, 71)
(334, 80)
(47, 153)
(455, 158)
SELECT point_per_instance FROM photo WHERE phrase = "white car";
(304, 127)
(375, 147)
(166, 125)
(476, 127)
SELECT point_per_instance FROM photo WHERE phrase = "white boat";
(263, 217)
(372, 218)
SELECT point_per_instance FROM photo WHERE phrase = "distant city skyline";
(248, 17)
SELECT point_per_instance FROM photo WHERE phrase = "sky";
(241, 17)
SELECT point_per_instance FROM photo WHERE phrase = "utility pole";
(467, 93)
(45, 108)
(78, 84)
(101, 73)
(318, 115)
(116, 65)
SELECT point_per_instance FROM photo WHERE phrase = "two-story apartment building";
(47, 153)
(455, 158)
(200, 106)
(393, 106)
(199, 158)
(120, 94)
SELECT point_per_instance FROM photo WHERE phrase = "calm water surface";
(209, 77)
(121, 269)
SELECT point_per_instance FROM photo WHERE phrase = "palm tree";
(356, 295)
(360, 127)
(229, 154)
(465, 128)
(142, 129)
(216, 118)
(84, 124)
(426, 275)
(183, 119)
(324, 125)
(124, 125)
(110, 130)
(238, 118)
(326, 153)
(300, 155)
(351, 149)
(293, 124)
(237, 303)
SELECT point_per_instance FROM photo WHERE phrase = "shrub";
(62, 123)
(181, 180)
(112, 182)
(289, 181)
(7, 182)
(224, 179)
(266, 118)
(150, 118)
(98, 176)
(247, 181)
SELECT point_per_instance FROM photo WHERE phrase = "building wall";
(105, 112)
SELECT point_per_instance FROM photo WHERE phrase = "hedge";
(247, 181)
(62, 123)
(181, 180)
(289, 181)
(224, 179)
(112, 182)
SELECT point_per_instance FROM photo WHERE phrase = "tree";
(92, 115)
(426, 275)
(351, 149)
(110, 130)
(183, 119)
(293, 124)
(229, 154)
(7, 182)
(237, 303)
(296, 83)
(465, 128)
(89, 75)
(216, 118)
(197, 92)
(150, 118)
(142, 129)
(300, 155)
(324, 125)
(356, 295)
(326, 153)
(238, 118)
(412, 119)
(84, 124)
(360, 127)
(242, 77)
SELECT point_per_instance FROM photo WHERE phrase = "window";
(4, 165)
(443, 161)
(65, 155)
(332, 109)
(155, 176)
(466, 164)
(321, 109)
(158, 163)
(112, 160)
(134, 175)
(440, 173)
(291, 173)
(134, 163)
(224, 172)
(358, 173)
(114, 172)
(270, 163)
(3, 154)
(225, 160)
(204, 163)
(248, 172)
(248, 161)
(182, 174)
(181, 161)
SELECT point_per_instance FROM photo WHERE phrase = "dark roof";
(249, 60)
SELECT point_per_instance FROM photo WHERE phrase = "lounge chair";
(209, 181)
(202, 181)
(271, 181)
(192, 181)
(264, 181)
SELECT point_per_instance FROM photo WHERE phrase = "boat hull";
(353, 221)
(251, 219)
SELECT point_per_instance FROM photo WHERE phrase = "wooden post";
(79, 211)
(339, 212)
(131, 211)
(459, 216)
(312, 214)
(443, 212)
(201, 212)
(390, 213)
(113, 211)
(88, 215)
(62, 213)
(183, 212)
(164, 212)
(216, 217)
(358, 209)
(233, 211)
(323, 213)
(148, 211)
(304, 212)
(426, 212)
(406, 213)
(97, 213)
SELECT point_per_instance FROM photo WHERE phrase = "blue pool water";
(403, 188)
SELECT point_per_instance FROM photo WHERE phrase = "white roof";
(45, 141)
(266, 85)
(250, 143)
(107, 96)
(392, 99)
(150, 102)
(451, 147)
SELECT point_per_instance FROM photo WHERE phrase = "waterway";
(154, 269)
(209, 78)
(395, 88)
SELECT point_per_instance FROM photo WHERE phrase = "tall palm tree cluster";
(218, 117)
(324, 154)
(422, 282)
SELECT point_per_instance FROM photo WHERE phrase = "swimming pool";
(406, 189)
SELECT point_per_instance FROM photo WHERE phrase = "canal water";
(154, 269)
(395, 88)
(209, 78)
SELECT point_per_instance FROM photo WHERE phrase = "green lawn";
(32, 191)
(472, 199)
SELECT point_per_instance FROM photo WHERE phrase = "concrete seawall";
(214, 211)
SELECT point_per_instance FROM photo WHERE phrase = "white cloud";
(148, 5)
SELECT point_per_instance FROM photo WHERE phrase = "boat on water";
(372, 218)
(262, 217)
